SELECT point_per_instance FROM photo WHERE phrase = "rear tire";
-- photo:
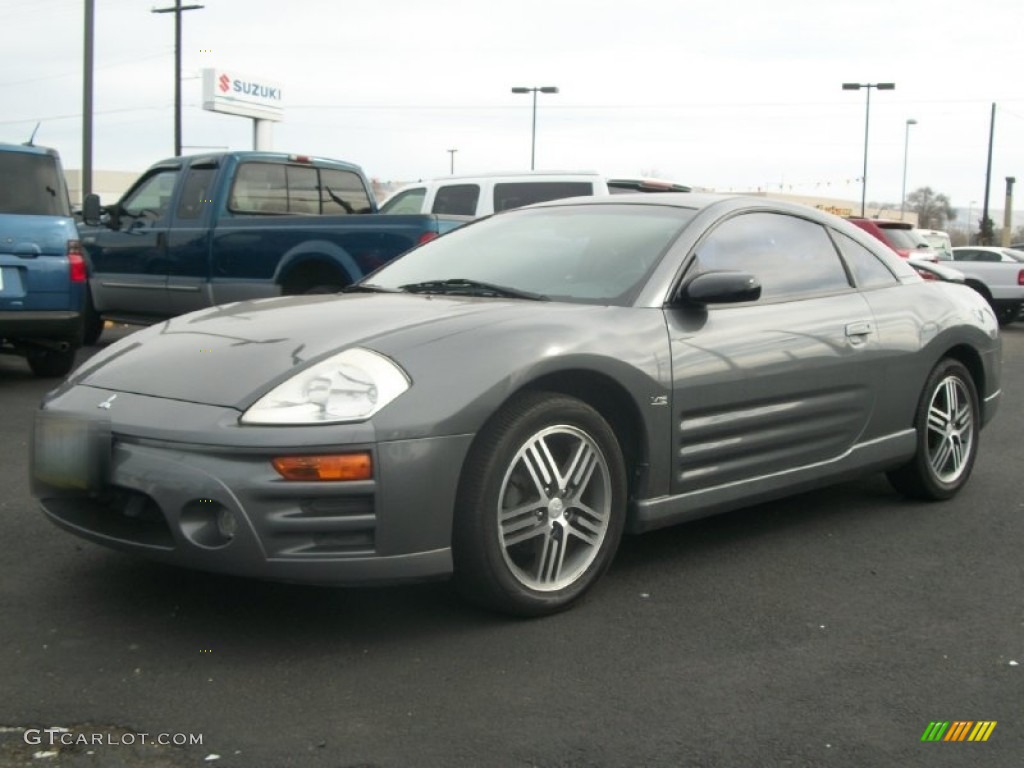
(948, 423)
(541, 506)
(50, 363)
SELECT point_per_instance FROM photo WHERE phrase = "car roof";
(28, 149)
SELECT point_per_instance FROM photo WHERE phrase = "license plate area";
(69, 452)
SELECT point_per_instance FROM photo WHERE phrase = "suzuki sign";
(237, 94)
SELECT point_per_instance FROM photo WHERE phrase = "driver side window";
(151, 200)
(792, 257)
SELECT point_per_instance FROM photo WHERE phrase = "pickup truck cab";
(997, 274)
(483, 195)
(42, 270)
(193, 232)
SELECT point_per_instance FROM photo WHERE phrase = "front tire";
(948, 423)
(541, 506)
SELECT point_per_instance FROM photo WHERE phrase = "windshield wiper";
(368, 288)
(460, 286)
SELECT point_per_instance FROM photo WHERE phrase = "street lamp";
(452, 153)
(867, 122)
(906, 143)
(533, 133)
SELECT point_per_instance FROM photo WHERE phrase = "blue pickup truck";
(197, 231)
(42, 270)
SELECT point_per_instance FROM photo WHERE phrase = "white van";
(939, 241)
(489, 193)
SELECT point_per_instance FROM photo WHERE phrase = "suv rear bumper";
(39, 324)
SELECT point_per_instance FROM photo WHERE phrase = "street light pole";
(867, 123)
(906, 144)
(177, 11)
(452, 153)
(533, 132)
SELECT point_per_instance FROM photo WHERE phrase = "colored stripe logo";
(958, 730)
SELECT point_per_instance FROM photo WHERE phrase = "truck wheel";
(50, 363)
(1006, 313)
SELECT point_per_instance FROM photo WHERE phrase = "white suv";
(490, 193)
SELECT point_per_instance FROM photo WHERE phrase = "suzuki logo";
(105, 405)
(224, 83)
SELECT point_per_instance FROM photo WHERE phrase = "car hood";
(230, 355)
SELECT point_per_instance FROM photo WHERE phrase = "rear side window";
(515, 194)
(343, 192)
(868, 270)
(302, 189)
(32, 184)
(456, 199)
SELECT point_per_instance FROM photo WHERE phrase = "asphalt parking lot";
(828, 629)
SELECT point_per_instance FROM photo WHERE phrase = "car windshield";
(586, 253)
(31, 184)
(1014, 254)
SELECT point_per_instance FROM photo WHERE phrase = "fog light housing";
(227, 523)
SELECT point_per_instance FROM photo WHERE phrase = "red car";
(898, 235)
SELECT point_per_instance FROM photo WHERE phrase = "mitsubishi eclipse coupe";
(500, 405)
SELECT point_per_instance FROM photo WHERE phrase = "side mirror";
(719, 288)
(91, 209)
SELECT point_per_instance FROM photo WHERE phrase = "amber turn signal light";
(344, 466)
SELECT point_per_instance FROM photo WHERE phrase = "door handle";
(859, 329)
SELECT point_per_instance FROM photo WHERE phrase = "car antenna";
(32, 137)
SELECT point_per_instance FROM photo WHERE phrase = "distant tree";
(933, 210)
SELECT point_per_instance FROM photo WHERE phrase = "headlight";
(350, 386)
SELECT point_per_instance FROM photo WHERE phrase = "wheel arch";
(971, 360)
(615, 405)
(316, 262)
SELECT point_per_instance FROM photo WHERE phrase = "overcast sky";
(728, 94)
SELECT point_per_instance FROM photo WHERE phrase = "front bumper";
(224, 508)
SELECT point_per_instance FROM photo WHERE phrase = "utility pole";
(87, 67)
(177, 11)
(986, 222)
(452, 153)
(1008, 212)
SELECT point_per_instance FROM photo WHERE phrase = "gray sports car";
(501, 404)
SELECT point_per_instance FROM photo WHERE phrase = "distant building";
(109, 185)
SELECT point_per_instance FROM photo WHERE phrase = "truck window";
(456, 199)
(31, 184)
(343, 192)
(515, 194)
(303, 192)
(152, 197)
(409, 201)
(195, 192)
(259, 188)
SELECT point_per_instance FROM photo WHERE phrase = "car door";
(787, 381)
(129, 261)
(188, 242)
